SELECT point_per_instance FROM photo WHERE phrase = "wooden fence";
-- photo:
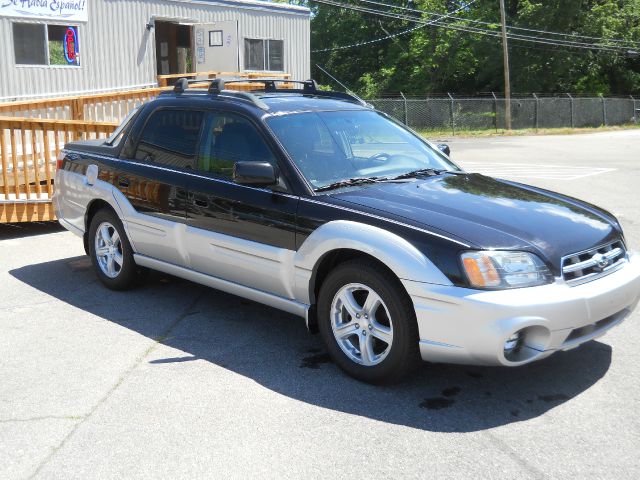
(97, 107)
(114, 106)
(168, 80)
(28, 152)
(32, 132)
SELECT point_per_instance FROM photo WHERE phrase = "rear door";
(216, 47)
(152, 178)
(240, 233)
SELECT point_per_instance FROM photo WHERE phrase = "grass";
(522, 132)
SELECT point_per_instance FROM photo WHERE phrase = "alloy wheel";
(361, 324)
(108, 248)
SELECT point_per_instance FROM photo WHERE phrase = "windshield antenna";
(349, 91)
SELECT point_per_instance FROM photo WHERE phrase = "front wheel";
(368, 322)
(110, 251)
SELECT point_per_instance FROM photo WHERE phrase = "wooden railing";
(32, 132)
(114, 106)
(167, 80)
(100, 106)
(28, 152)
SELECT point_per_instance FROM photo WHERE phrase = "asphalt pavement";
(176, 380)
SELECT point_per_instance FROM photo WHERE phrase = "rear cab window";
(170, 137)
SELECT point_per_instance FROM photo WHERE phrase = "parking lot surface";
(175, 380)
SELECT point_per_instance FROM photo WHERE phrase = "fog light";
(513, 343)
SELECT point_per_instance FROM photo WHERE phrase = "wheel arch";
(93, 207)
(342, 240)
(332, 259)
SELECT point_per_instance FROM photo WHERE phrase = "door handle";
(200, 202)
(124, 182)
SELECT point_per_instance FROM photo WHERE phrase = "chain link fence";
(486, 113)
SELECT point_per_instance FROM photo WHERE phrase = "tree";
(432, 59)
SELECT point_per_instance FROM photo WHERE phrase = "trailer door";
(216, 47)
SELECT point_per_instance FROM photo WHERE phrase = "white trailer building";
(60, 47)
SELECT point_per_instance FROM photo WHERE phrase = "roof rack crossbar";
(309, 87)
(216, 85)
(181, 85)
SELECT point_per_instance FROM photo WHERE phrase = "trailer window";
(28, 44)
(42, 44)
(262, 54)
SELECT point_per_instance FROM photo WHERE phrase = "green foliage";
(56, 53)
(437, 60)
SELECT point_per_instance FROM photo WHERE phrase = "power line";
(394, 35)
(368, 42)
(511, 27)
(474, 30)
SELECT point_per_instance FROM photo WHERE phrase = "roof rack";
(309, 87)
(216, 87)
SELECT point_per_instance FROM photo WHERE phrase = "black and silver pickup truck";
(316, 204)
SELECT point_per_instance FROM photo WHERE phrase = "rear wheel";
(368, 323)
(110, 251)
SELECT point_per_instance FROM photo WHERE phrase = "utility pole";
(507, 83)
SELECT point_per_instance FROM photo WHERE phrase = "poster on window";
(75, 10)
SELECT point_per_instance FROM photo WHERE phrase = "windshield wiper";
(349, 183)
(426, 172)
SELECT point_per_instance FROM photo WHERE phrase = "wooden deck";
(33, 132)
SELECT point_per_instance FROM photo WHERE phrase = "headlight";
(502, 269)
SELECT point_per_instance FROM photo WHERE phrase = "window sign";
(65, 10)
(70, 44)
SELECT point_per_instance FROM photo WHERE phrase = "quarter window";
(170, 138)
(264, 55)
(41, 44)
(229, 138)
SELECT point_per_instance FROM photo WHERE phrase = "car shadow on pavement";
(274, 349)
(10, 231)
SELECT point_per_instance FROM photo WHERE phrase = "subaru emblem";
(601, 261)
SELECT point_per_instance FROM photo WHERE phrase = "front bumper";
(460, 325)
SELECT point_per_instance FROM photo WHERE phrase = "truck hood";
(489, 213)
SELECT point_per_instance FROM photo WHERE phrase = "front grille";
(596, 262)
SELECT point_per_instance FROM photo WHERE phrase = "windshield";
(331, 147)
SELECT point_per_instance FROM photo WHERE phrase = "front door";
(173, 47)
(215, 47)
(239, 233)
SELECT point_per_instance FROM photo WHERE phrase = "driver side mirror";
(258, 174)
(444, 148)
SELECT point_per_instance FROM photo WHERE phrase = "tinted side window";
(170, 137)
(229, 138)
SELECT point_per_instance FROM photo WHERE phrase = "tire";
(115, 268)
(362, 308)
